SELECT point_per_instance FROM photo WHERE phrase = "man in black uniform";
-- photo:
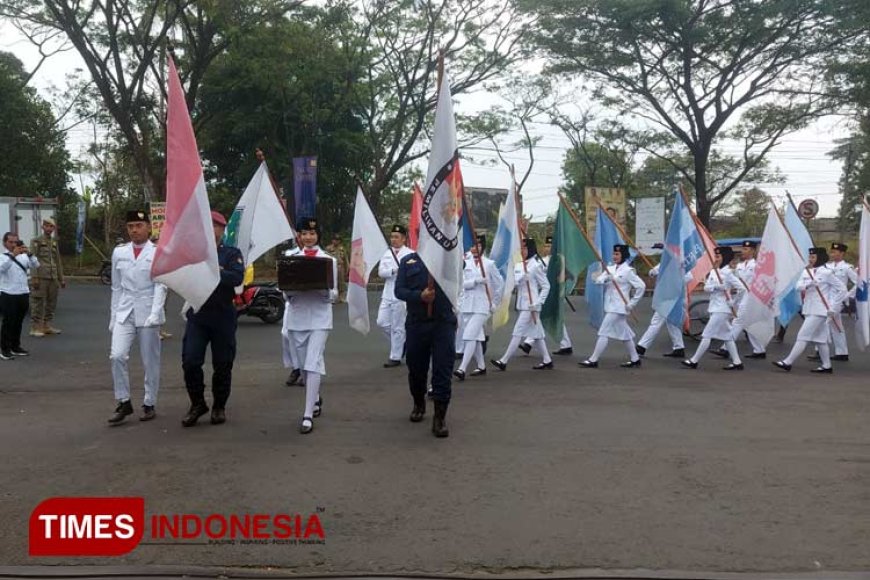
(214, 323)
(428, 336)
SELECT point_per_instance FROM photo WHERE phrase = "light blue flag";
(606, 236)
(791, 302)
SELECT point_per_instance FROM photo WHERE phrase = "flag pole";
(520, 232)
(430, 284)
(807, 267)
(594, 249)
(622, 232)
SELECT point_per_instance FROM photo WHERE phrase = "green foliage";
(33, 156)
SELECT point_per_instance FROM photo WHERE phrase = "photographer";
(15, 263)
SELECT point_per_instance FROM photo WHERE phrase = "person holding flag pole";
(392, 311)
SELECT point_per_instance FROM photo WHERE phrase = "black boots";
(196, 411)
(439, 425)
(418, 411)
(121, 412)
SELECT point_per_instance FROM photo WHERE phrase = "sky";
(802, 157)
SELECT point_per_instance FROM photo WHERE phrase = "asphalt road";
(657, 468)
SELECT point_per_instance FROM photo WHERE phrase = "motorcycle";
(105, 272)
(263, 300)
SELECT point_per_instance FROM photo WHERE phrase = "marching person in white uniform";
(288, 350)
(309, 320)
(615, 324)
(720, 309)
(822, 280)
(745, 272)
(482, 287)
(846, 273)
(566, 347)
(392, 311)
(678, 348)
(137, 312)
(532, 289)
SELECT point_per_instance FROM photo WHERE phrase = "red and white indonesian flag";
(366, 248)
(777, 266)
(440, 241)
(186, 256)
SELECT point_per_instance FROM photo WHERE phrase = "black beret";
(399, 229)
(839, 246)
(726, 252)
(548, 240)
(308, 223)
(137, 215)
(750, 244)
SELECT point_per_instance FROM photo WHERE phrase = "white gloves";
(152, 320)
(536, 307)
(112, 323)
(628, 308)
(832, 313)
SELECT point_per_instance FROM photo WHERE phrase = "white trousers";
(655, 326)
(288, 349)
(391, 320)
(123, 335)
(310, 345)
(737, 329)
(838, 337)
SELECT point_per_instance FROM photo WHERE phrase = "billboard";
(611, 198)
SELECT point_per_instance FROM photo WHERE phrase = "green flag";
(570, 255)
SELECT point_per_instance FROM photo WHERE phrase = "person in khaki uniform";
(46, 280)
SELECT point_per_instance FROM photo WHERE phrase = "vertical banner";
(157, 209)
(305, 187)
(649, 224)
(80, 227)
(611, 198)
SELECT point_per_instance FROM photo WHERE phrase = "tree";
(122, 44)
(398, 43)
(33, 156)
(700, 71)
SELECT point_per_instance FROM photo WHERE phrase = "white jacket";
(627, 279)
(133, 290)
(654, 273)
(745, 271)
(311, 309)
(722, 289)
(474, 297)
(388, 268)
(846, 273)
(831, 287)
(537, 283)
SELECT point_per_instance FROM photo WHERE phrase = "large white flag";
(862, 328)
(440, 241)
(505, 252)
(258, 223)
(186, 257)
(777, 266)
(366, 248)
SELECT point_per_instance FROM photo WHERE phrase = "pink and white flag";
(777, 266)
(186, 256)
(366, 248)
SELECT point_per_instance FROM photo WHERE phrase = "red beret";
(217, 218)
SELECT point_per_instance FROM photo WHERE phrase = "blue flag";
(606, 236)
(465, 224)
(683, 248)
(791, 302)
(304, 187)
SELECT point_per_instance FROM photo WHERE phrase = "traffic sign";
(808, 208)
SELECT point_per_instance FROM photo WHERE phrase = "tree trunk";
(149, 175)
(702, 204)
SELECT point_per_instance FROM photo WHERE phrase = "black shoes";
(21, 352)
(306, 426)
(6, 355)
(498, 364)
(689, 364)
(839, 357)
(526, 348)
(478, 372)
(823, 370)
(676, 353)
(318, 407)
(782, 365)
(439, 423)
(814, 357)
(588, 364)
(641, 350)
(630, 364)
(218, 416)
(733, 367)
(293, 378)
(564, 351)
(722, 353)
(418, 411)
(148, 413)
(121, 412)
(760, 355)
(196, 411)
(543, 366)
(459, 374)
(392, 363)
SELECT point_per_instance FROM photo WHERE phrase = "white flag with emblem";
(366, 248)
(440, 241)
